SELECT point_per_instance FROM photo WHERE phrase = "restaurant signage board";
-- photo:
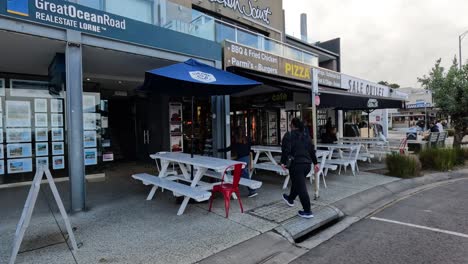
(252, 59)
(236, 55)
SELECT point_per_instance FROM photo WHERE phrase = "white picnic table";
(273, 165)
(200, 166)
(349, 147)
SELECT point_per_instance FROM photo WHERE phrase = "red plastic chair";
(228, 188)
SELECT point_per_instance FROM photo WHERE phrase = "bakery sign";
(247, 8)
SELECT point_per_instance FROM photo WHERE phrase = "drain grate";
(278, 212)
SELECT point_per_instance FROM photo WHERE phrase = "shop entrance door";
(130, 129)
(143, 129)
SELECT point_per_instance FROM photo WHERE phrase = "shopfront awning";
(344, 100)
(274, 81)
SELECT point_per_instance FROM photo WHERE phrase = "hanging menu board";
(175, 127)
(272, 129)
(283, 122)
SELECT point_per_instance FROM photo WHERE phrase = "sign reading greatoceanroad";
(69, 15)
(66, 14)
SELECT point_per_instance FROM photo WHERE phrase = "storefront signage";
(248, 58)
(256, 60)
(281, 97)
(329, 78)
(66, 14)
(247, 9)
(419, 105)
(372, 103)
(358, 86)
(294, 70)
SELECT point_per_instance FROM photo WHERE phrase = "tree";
(450, 94)
(391, 85)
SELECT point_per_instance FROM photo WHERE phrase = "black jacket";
(241, 150)
(299, 146)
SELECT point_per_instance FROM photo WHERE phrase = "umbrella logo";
(202, 76)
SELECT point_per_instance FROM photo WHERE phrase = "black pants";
(298, 173)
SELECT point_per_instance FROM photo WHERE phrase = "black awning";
(271, 80)
(329, 97)
(342, 100)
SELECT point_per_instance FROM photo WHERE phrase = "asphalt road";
(429, 227)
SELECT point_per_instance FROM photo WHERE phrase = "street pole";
(314, 91)
(425, 116)
(460, 38)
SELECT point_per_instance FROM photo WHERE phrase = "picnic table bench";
(197, 194)
(252, 184)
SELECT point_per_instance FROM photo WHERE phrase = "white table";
(200, 165)
(268, 150)
(275, 167)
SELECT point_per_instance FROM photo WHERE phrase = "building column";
(227, 121)
(385, 122)
(340, 123)
(74, 117)
(217, 127)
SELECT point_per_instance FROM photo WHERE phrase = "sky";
(391, 40)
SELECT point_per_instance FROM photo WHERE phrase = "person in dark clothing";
(295, 144)
(241, 146)
(433, 128)
(329, 124)
(329, 136)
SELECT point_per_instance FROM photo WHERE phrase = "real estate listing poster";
(18, 114)
(19, 165)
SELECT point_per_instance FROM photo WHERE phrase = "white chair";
(350, 160)
(321, 171)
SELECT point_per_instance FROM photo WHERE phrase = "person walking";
(298, 148)
(241, 145)
(439, 125)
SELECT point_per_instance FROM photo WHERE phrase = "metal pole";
(368, 124)
(460, 38)
(191, 143)
(74, 117)
(425, 116)
(459, 50)
(314, 108)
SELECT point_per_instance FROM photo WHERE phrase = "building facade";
(419, 107)
(70, 69)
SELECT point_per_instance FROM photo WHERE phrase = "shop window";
(96, 4)
(26, 88)
(247, 38)
(224, 32)
(141, 10)
(32, 130)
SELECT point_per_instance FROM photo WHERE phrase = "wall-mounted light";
(88, 79)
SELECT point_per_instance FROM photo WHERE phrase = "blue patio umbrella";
(192, 78)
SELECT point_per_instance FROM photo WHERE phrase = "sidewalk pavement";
(120, 226)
